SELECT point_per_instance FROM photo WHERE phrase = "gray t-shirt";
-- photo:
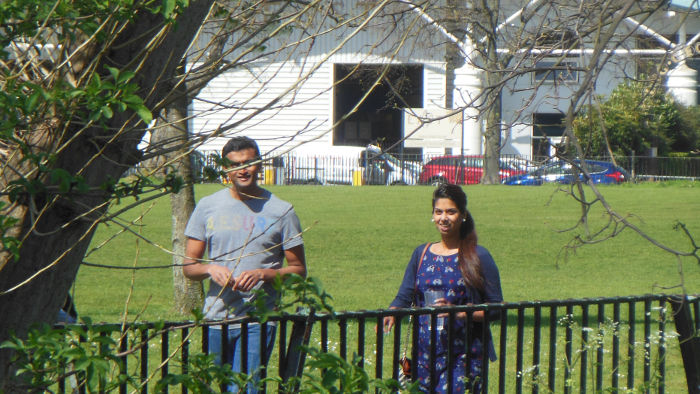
(242, 235)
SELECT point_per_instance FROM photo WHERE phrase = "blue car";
(563, 172)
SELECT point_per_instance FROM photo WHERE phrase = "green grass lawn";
(359, 240)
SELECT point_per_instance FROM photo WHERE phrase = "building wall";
(521, 101)
(300, 118)
(266, 111)
(256, 100)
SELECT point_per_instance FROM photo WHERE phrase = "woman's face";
(447, 217)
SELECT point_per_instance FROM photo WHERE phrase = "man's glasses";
(242, 164)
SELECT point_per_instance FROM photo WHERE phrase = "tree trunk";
(492, 142)
(492, 136)
(33, 286)
(188, 294)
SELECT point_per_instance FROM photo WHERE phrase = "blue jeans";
(64, 317)
(233, 352)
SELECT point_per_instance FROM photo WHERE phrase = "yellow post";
(269, 176)
(357, 178)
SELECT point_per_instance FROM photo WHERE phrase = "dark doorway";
(545, 126)
(378, 119)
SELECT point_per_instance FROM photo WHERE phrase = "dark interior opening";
(377, 120)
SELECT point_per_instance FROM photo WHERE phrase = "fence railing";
(393, 169)
(596, 345)
(644, 168)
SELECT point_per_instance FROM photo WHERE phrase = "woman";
(467, 274)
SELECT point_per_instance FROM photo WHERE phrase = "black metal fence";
(404, 169)
(646, 168)
(578, 345)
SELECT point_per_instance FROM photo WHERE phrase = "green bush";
(634, 119)
(686, 137)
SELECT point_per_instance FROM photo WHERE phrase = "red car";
(461, 170)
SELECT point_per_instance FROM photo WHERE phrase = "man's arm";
(296, 264)
(194, 270)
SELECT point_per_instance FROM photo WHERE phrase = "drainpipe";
(467, 91)
(681, 80)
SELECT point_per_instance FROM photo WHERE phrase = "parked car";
(465, 170)
(563, 172)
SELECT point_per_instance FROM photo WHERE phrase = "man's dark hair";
(236, 144)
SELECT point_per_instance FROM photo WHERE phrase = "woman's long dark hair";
(469, 263)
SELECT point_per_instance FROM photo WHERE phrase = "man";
(247, 232)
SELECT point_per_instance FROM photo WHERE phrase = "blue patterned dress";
(442, 273)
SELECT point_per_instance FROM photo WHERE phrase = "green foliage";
(42, 23)
(138, 185)
(29, 102)
(636, 118)
(339, 376)
(686, 137)
(48, 355)
(203, 376)
(307, 293)
(169, 8)
(101, 98)
(8, 243)
(29, 18)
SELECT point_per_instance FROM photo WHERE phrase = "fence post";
(688, 339)
(633, 169)
(300, 336)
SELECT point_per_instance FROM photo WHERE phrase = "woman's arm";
(492, 286)
(492, 283)
(406, 294)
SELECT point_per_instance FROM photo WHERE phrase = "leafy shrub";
(634, 119)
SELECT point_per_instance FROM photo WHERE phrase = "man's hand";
(247, 280)
(219, 274)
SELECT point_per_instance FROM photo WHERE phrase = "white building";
(293, 96)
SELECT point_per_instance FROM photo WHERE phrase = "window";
(557, 40)
(544, 127)
(555, 71)
(650, 65)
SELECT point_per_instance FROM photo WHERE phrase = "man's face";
(246, 177)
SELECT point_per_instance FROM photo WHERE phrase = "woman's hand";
(476, 316)
(441, 302)
(388, 323)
